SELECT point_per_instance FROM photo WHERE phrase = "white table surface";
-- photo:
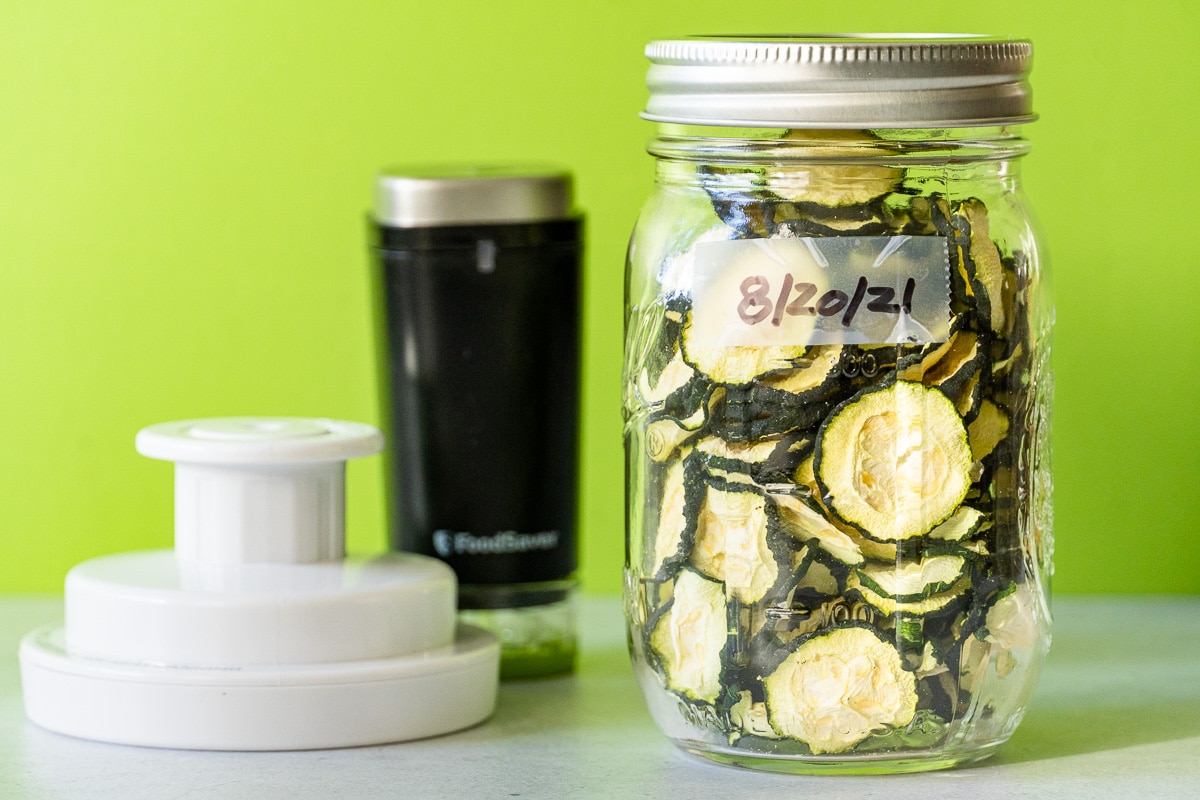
(1116, 715)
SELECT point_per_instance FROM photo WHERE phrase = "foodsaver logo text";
(461, 543)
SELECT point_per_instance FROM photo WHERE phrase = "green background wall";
(182, 198)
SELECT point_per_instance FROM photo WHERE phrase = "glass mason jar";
(836, 398)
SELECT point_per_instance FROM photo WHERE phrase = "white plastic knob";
(259, 490)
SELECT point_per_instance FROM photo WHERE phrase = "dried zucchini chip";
(961, 361)
(795, 399)
(745, 456)
(989, 270)
(877, 551)
(688, 637)
(805, 475)
(738, 365)
(802, 226)
(665, 434)
(912, 580)
(732, 542)
(964, 523)
(755, 412)
(654, 345)
(748, 718)
(946, 364)
(987, 430)
(816, 374)
(838, 184)
(968, 399)
(674, 376)
(890, 606)
(779, 467)
(816, 579)
(763, 462)
(894, 461)
(839, 687)
(677, 517)
(807, 525)
(1012, 621)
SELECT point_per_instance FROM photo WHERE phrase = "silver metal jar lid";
(840, 81)
(437, 195)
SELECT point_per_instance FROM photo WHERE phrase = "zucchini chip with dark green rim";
(679, 509)
(689, 635)
(890, 606)
(912, 580)
(815, 375)
(839, 687)
(964, 523)
(987, 430)
(738, 365)
(734, 541)
(665, 434)
(807, 525)
(738, 456)
(837, 182)
(671, 378)
(748, 413)
(785, 402)
(988, 272)
(894, 461)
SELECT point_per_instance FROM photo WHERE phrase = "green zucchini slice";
(795, 400)
(748, 718)
(964, 523)
(689, 635)
(665, 433)
(969, 398)
(674, 376)
(755, 412)
(807, 525)
(765, 462)
(894, 461)
(732, 542)
(738, 365)
(817, 578)
(1012, 619)
(912, 608)
(837, 688)
(744, 456)
(834, 185)
(947, 365)
(987, 430)
(912, 580)
(815, 374)
(989, 270)
(805, 475)
(677, 517)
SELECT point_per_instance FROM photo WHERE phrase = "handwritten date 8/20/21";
(757, 304)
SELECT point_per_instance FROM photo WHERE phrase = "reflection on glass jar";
(836, 396)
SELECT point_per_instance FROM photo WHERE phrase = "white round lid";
(149, 608)
(299, 707)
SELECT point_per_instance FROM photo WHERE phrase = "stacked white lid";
(257, 633)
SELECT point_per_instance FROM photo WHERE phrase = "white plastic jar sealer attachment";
(257, 633)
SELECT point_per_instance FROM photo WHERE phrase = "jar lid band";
(840, 81)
